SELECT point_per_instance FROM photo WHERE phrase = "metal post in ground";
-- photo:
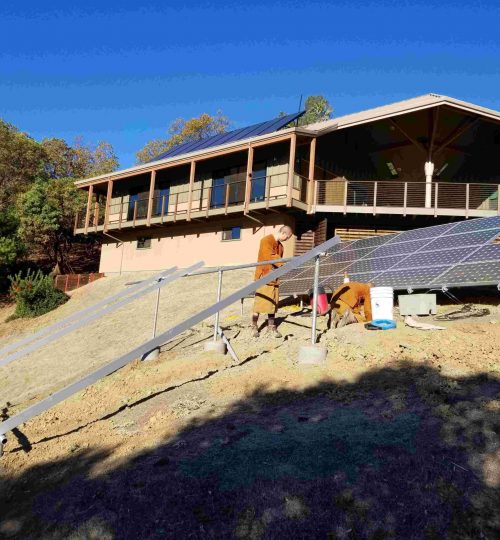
(152, 355)
(217, 345)
(315, 301)
(219, 292)
(313, 354)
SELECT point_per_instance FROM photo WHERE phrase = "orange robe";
(353, 296)
(267, 296)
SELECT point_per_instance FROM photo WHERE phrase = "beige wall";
(184, 245)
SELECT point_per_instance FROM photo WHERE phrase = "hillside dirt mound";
(395, 436)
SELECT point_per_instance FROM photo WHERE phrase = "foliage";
(34, 294)
(46, 213)
(183, 131)
(21, 161)
(318, 109)
(80, 161)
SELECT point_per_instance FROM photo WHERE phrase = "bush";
(34, 294)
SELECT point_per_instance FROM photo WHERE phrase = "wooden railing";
(438, 198)
(182, 204)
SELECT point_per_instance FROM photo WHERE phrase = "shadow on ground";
(402, 453)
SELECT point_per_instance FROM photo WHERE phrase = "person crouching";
(351, 303)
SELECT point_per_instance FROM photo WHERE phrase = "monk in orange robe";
(351, 303)
(267, 296)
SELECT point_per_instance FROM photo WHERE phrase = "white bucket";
(382, 299)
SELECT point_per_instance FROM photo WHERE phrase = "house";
(419, 162)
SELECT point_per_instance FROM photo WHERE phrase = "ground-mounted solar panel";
(455, 254)
(433, 258)
(483, 273)
(263, 128)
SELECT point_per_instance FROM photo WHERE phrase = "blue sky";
(107, 71)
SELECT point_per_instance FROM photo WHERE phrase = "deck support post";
(192, 173)
(291, 169)
(89, 204)
(310, 176)
(151, 197)
(248, 182)
(109, 195)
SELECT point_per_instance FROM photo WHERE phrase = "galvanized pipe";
(155, 320)
(315, 301)
(217, 315)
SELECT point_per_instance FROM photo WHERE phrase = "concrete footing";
(151, 355)
(215, 346)
(312, 355)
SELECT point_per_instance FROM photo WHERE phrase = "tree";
(21, 161)
(318, 109)
(183, 131)
(80, 161)
(46, 213)
(94, 161)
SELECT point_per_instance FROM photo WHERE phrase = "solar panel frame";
(262, 128)
(423, 267)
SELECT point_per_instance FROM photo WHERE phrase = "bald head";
(284, 233)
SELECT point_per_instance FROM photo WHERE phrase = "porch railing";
(435, 197)
(263, 189)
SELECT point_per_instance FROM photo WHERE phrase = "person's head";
(284, 233)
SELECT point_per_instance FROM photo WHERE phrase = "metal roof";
(263, 128)
(399, 107)
(370, 115)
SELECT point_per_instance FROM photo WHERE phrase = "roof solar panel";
(263, 128)
(454, 254)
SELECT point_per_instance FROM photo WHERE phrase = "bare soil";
(395, 436)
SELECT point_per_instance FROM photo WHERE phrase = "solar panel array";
(453, 255)
(232, 136)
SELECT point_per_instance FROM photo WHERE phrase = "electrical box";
(417, 304)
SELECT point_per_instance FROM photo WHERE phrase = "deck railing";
(435, 197)
(180, 204)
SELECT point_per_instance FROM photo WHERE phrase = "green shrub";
(34, 294)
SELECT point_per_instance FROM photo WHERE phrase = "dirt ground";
(395, 436)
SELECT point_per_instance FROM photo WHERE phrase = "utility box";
(417, 304)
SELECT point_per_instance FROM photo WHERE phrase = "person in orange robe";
(267, 296)
(351, 303)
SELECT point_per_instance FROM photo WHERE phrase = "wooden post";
(375, 198)
(291, 169)
(192, 173)
(96, 215)
(466, 200)
(163, 207)
(405, 199)
(310, 176)
(135, 213)
(89, 204)
(346, 187)
(226, 199)
(209, 198)
(175, 206)
(268, 189)
(248, 183)
(151, 197)
(121, 214)
(109, 196)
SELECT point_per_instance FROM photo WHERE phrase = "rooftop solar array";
(458, 254)
(232, 136)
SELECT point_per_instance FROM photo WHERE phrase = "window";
(144, 242)
(234, 233)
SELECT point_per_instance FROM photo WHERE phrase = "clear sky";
(108, 71)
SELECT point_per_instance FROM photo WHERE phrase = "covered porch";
(439, 160)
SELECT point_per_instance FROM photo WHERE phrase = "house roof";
(398, 108)
(378, 113)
